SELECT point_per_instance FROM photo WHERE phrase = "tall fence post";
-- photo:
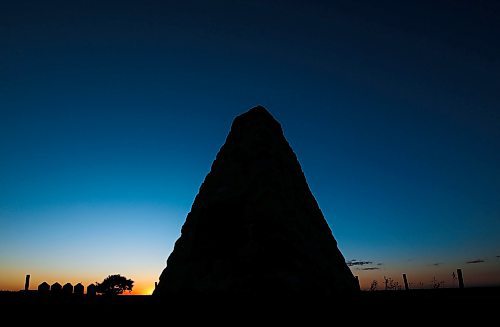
(460, 278)
(406, 282)
(27, 283)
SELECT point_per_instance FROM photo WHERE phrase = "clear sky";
(111, 114)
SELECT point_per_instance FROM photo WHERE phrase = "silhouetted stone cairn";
(67, 289)
(44, 288)
(56, 289)
(91, 290)
(79, 288)
(255, 227)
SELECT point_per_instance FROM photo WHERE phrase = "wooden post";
(27, 283)
(460, 278)
(406, 282)
(357, 281)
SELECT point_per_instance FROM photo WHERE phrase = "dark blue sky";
(112, 112)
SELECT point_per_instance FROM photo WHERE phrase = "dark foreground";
(468, 296)
(417, 307)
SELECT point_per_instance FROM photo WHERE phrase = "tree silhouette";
(114, 285)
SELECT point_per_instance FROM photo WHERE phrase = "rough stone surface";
(255, 227)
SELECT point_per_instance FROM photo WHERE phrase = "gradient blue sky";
(112, 112)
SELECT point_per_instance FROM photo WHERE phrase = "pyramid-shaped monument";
(255, 227)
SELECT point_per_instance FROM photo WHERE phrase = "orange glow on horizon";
(419, 276)
(147, 291)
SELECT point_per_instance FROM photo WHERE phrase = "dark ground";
(444, 296)
(417, 307)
